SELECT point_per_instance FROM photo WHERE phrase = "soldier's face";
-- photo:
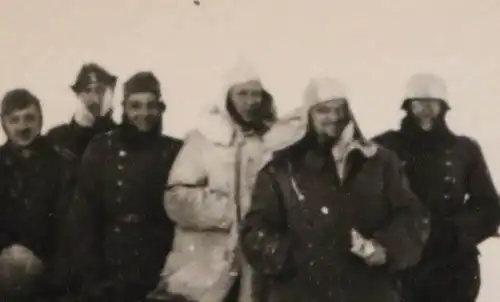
(143, 110)
(23, 126)
(329, 118)
(92, 97)
(246, 99)
(426, 111)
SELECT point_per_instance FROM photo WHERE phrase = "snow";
(490, 269)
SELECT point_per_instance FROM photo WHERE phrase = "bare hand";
(18, 251)
(378, 257)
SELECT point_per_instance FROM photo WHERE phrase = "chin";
(23, 143)
(332, 134)
(144, 129)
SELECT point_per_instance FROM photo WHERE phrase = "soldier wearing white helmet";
(449, 174)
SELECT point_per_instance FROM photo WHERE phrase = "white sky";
(373, 46)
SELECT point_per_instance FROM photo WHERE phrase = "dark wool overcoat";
(120, 229)
(32, 195)
(450, 176)
(297, 234)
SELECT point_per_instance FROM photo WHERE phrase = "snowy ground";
(490, 266)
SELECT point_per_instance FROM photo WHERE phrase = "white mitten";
(19, 254)
(83, 117)
(107, 101)
(19, 269)
(361, 246)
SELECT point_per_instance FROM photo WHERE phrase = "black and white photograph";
(249, 151)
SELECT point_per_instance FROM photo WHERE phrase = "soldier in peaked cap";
(449, 174)
(93, 87)
(124, 233)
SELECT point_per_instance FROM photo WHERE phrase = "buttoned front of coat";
(30, 196)
(451, 178)
(298, 231)
(118, 212)
(453, 181)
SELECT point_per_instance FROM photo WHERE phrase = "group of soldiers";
(248, 207)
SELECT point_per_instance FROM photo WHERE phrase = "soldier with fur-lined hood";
(209, 191)
(123, 232)
(31, 192)
(331, 217)
(449, 174)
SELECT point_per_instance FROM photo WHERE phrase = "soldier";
(123, 234)
(31, 185)
(94, 88)
(209, 191)
(331, 218)
(449, 174)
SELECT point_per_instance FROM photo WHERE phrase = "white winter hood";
(295, 125)
(215, 123)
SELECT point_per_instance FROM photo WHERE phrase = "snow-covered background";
(373, 46)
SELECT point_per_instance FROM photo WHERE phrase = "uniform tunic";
(32, 182)
(123, 232)
(449, 175)
(70, 140)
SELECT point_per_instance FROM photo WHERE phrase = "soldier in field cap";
(117, 214)
(31, 186)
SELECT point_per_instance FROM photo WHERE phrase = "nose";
(94, 98)
(142, 112)
(254, 100)
(427, 108)
(335, 116)
(23, 124)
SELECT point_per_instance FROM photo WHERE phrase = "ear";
(163, 106)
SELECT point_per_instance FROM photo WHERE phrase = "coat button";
(450, 179)
(119, 183)
(448, 163)
(325, 210)
(122, 153)
(447, 196)
(120, 167)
